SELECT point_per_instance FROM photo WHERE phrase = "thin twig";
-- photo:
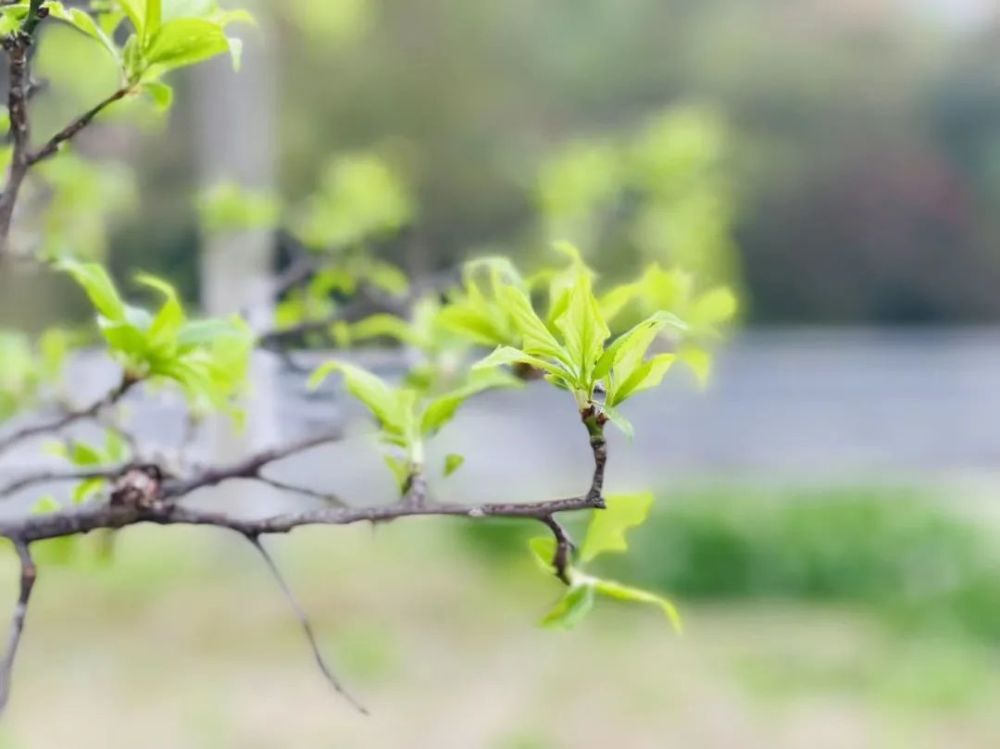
(248, 468)
(51, 147)
(304, 622)
(304, 491)
(71, 417)
(28, 574)
(564, 548)
(59, 477)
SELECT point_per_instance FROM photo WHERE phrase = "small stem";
(303, 620)
(28, 575)
(51, 147)
(595, 422)
(47, 477)
(91, 411)
(564, 548)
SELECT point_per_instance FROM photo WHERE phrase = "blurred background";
(826, 516)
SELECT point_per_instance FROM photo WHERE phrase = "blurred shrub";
(661, 194)
(918, 563)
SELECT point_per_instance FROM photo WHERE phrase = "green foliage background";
(862, 143)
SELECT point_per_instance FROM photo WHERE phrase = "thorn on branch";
(304, 622)
(28, 574)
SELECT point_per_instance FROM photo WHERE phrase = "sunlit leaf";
(621, 592)
(87, 489)
(543, 550)
(536, 340)
(441, 409)
(98, 286)
(452, 462)
(607, 528)
(575, 604)
(161, 94)
(647, 375)
(186, 41)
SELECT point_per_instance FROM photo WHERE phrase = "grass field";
(184, 641)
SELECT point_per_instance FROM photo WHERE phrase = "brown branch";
(17, 47)
(159, 504)
(595, 422)
(95, 516)
(303, 620)
(304, 491)
(563, 556)
(71, 417)
(20, 89)
(28, 574)
(60, 477)
(51, 147)
(250, 468)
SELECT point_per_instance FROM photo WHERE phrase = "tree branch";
(51, 147)
(17, 47)
(158, 503)
(303, 620)
(250, 468)
(28, 574)
(60, 477)
(71, 417)
(564, 548)
(304, 491)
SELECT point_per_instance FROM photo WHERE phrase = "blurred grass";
(184, 641)
(896, 550)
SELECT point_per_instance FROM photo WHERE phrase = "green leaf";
(536, 339)
(713, 307)
(186, 41)
(86, 489)
(115, 447)
(166, 325)
(699, 361)
(136, 12)
(506, 355)
(440, 410)
(621, 592)
(400, 470)
(607, 528)
(572, 607)
(98, 287)
(543, 550)
(613, 302)
(452, 462)
(46, 505)
(582, 327)
(648, 375)
(154, 16)
(82, 22)
(386, 276)
(393, 408)
(161, 94)
(382, 324)
(615, 417)
(631, 346)
(82, 454)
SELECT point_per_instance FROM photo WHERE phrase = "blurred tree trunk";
(235, 134)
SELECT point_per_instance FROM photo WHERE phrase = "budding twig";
(304, 622)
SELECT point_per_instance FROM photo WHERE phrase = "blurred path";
(813, 405)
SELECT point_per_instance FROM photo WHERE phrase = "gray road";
(787, 404)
